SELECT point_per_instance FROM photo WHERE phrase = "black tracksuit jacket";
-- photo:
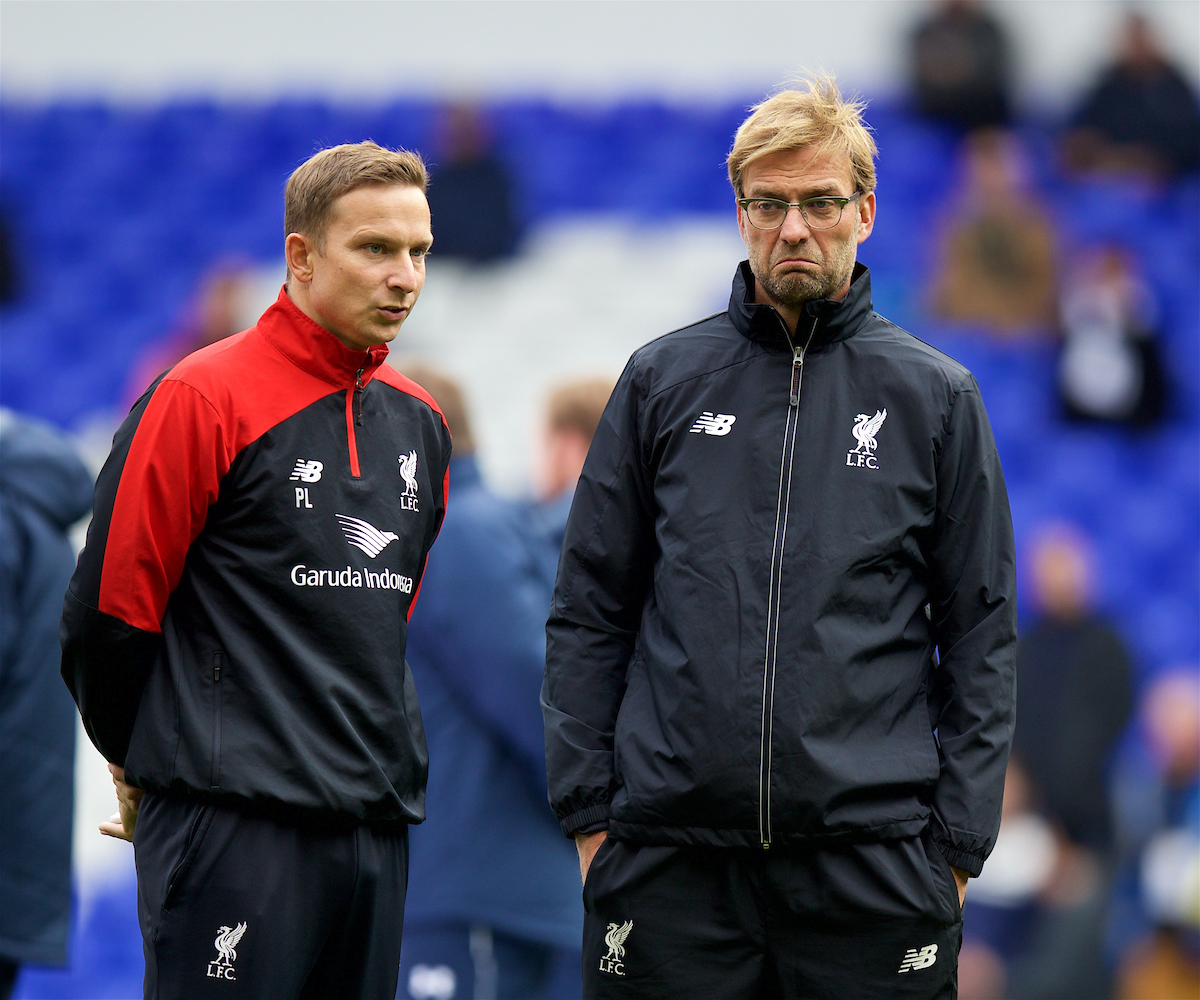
(785, 608)
(235, 627)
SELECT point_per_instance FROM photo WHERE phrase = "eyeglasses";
(822, 212)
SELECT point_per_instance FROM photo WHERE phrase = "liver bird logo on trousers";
(226, 945)
(615, 939)
(227, 939)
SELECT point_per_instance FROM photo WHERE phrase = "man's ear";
(741, 217)
(299, 251)
(866, 216)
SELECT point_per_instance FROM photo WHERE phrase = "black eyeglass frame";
(787, 206)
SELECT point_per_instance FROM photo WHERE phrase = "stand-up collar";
(313, 348)
(835, 320)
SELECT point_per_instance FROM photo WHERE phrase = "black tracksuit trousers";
(691, 923)
(237, 906)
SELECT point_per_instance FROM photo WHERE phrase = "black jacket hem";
(699, 836)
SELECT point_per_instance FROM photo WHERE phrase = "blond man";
(778, 694)
(234, 633)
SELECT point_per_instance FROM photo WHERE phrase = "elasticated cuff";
(972, 864)
(579, 822)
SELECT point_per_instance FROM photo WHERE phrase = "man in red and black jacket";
(234, 632)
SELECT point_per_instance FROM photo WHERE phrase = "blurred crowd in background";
(1057, 257)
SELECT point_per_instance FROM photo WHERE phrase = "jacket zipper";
(775, 585)
(352, 394)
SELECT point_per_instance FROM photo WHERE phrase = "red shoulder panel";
(211, 406)
(389, 375)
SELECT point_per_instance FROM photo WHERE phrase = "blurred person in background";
(961, 66)
(215, 313)
(234, 632)
(1141, 118)
(741, 692)
(1006, 898)
(1074, 692)
(471, 192)
(44, 489)
(996, 266)
(573, 412)
(1110, 369)
(493, 895)
(1036, 920)
(1157, 925)
(10, 278)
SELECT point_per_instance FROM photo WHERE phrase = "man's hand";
(123, 821)
(960, 877)
(588, 844)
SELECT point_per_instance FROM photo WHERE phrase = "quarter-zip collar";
(837, 320)
(314, 349)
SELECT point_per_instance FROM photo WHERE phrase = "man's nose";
(794, 228)
(404, 275)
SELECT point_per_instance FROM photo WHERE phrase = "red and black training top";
(236, 624)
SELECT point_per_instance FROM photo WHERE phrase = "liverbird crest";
(865, 429)
(227, 939)
(408, 472)
(615, 939)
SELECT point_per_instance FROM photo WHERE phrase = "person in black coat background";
(1140, 117)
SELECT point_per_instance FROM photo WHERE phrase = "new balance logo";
(365, 536)
(923, 959)
(227, 939)
(716, 424)
(308, 472)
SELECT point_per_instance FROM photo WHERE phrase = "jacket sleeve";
(603, 576)
(973, 606)
(151, 501)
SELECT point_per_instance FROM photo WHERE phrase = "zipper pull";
(358, 387)
(797, 364)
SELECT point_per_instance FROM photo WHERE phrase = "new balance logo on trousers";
(922, 959)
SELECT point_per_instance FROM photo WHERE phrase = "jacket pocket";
(214, 775)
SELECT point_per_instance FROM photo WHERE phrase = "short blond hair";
(579, 405)
(324, 177)
(815, 117)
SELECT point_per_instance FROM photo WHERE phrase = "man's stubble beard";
(797, 287)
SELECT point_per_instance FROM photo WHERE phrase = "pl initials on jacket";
(235, 627)
(797, 627)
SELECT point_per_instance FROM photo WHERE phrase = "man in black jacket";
(779, 681)
(234, 632)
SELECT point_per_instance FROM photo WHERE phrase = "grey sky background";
(145, 50)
